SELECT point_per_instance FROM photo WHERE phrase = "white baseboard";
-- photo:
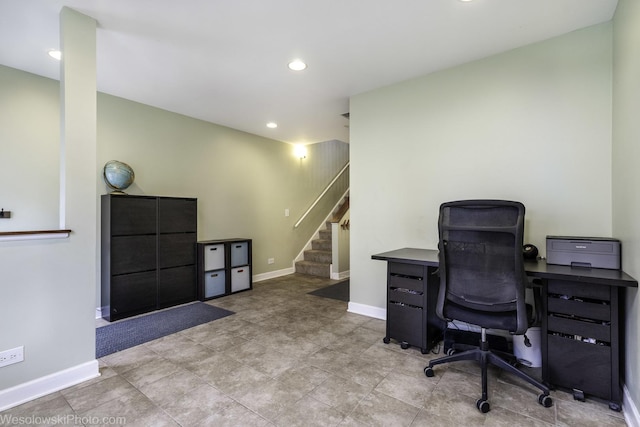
(341, 275)
(367, 310)
(273, 274)
(631, 414)
(48, 384)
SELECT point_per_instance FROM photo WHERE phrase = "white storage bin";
(528, 356)
(214, 283)
(213, 257)
(240, 278)
(239, 254)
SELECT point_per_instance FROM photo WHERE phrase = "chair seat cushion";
(505, 320)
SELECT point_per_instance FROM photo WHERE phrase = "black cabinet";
(411, 301)
(581, 339)
(224, 267)
(148, 253)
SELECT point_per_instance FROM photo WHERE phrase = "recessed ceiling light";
(55, 54)
(297, 65)
(272, 125)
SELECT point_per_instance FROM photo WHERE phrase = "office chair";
(483, 281)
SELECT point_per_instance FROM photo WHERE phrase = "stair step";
(318, 256)
(321, 244)
(325, 234)
(317, 261)
(313, 268)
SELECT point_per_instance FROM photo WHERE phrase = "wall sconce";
(300, 151)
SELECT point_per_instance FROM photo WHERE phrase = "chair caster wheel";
(428, 371)
(483, 406)
(545, 400)
(615, 406)
(386, 340)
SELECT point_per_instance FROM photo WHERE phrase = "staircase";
(317, 260)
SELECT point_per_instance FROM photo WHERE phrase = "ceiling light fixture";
(272, 125)
(55, 54)
(297, 65)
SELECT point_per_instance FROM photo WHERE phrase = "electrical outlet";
(271, 260)
(9, 357)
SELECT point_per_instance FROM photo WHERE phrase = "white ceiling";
(225, 61)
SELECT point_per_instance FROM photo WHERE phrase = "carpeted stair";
(317, 260)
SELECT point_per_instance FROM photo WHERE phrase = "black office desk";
(582, 318)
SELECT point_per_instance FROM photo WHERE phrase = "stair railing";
(328, 187)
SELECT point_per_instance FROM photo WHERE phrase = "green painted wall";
(532, 124)
(626, 175)
(243, 182)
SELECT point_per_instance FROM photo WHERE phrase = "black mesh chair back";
(482, 276)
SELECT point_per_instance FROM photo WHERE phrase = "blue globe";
(118, 175)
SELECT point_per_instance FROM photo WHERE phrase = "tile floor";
(291, 359)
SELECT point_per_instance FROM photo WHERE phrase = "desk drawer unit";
(580, 346)
(410, 304)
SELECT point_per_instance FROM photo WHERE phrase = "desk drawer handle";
(213, 249)
(214, 275)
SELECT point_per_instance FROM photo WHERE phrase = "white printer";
(594, 252)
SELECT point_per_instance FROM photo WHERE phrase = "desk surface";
(541, 269)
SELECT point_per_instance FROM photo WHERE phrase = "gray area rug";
(129, 333)
(339, 291)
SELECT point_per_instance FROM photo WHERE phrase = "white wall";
(532, 124)
(626, 174)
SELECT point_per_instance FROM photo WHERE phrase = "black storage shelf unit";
(148, 253)
(224, 267)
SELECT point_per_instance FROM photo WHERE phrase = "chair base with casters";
(485, 356)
